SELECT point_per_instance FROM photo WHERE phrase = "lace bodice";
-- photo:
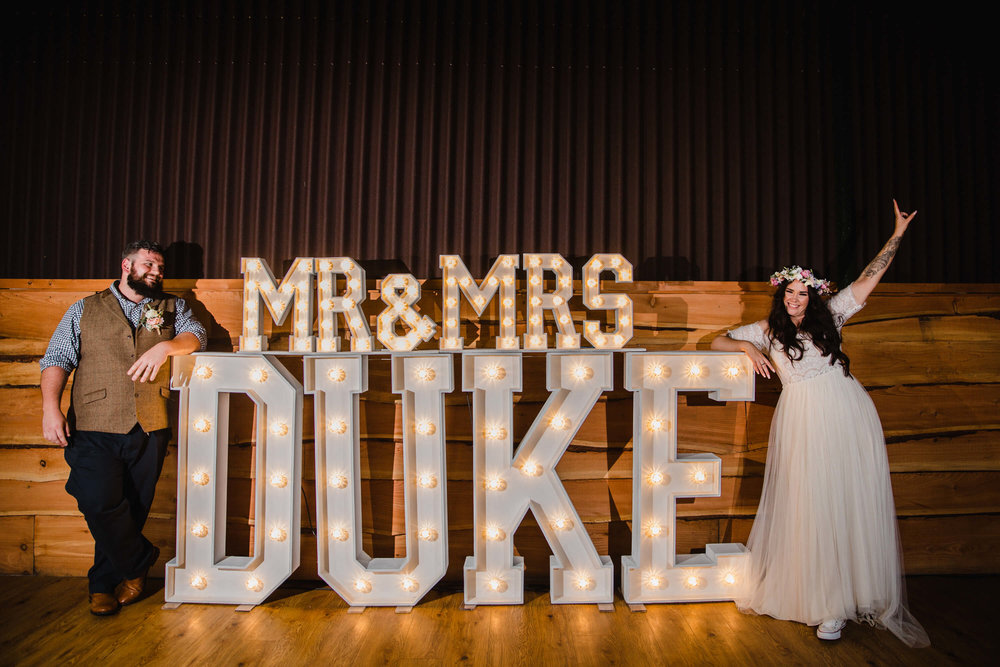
(842, 305)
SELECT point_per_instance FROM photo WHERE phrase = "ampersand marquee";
(509, 477)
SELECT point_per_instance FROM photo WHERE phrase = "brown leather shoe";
(103, 604)
(130, 590)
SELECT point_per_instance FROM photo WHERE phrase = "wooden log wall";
(929, 355)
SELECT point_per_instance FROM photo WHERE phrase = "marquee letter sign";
(654, 572)
(201, 571)
(508, 480)
(507, 484)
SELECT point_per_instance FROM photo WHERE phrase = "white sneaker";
(831, 629)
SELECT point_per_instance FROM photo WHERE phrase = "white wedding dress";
(824, 544)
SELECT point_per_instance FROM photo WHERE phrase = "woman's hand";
(902, 219)
(761, 364)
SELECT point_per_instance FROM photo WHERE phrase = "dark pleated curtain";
(703, 140)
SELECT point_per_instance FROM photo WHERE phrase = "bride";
(824, 547)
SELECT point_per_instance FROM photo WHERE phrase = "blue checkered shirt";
(64, 347)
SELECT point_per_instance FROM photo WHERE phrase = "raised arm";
(870, 277)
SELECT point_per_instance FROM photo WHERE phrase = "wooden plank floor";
(45, 622)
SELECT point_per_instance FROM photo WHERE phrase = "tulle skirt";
(824, 544)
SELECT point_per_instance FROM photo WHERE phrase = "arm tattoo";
(882, 260)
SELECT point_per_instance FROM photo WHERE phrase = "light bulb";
(695, 370)
(561, 523)
(203, 424)
(426, 374)
(652, 580)
(337, 480)
(624, 320)
(203, 372)
(536, 301)
(339, 533)
(699, 476)
(535, 280)
(495, 432)
(494, 533)
(427, 534)
(495, 372)
(582, 581)
(656, 424)
(279, 428)
(497, 585)
(279, 480)
(199, 581)
(277, 534)
(653, 529)
(425, 427)
(591, 282)
(199, 529)
(597, 264)
(531, 468)
(733, 371)
(656, 371)
(338, 426)
(427, 480)
(362, 585)
(495, 483)
(583, 372)
(729, 578)
(559, 422)
(258, 375)
(616, 262)
(655, 477)
(201, 478)
(408, 584)
(254, 583)
(692, 581)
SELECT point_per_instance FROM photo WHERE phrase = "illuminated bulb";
(251, 307)
(535, 319)
(622, 301)
(450, 262)
(535, 280)
(426, 374)
(337, 481)
(411, 291)
(495, 483)
(508, 260)
(253, 344)
(427, 534)
(347, 265)
(582, 582)
(656, 424)
(464, 282)
(350, 303)
(600, 340)
(729, 578)
(535, 301)
(507, 322)
(425, 427)
(733, 371)
(337, 374)
(567, 341)
(653, 580)
(203, 372)
(655, 477)
(279, 480)
(509, 342)
(563, 319)
(565, 281)
(254, 265)
(625, 320)
(656, 371)
(559, 422)
(355, 322)
(451, 322)
(492, 281)
(531, 468)
(654, 529)
(451, 280)
(591, 282)
(285, 288)
(427, 480)
(535, 341)
(692, 581)
(497, 585)
(326, 285)
(364, 344)
(625, 275)
(534, 260)
(508, 302)
(326, 304)
(326, 265)
(339, 533)
(695, 370)
(254, 583)
(354, 283)
(302, 343)
(597, 264)
(494, 533)
(556, 263)
(619, 339)
(508, 280)
(326, 345)
(616, 262)
(561, 523)
(258, 374)
(400, 282)
(495, 432)
(279, 428)
(408, 584)
(277, 534)
(592, 327)
(596, 301)
(200, 478)
(699, 477)
(338, 426)
(362, 585)
(199, 581)
(202, 425)
(583, 372)
(451, 302)
(326, 324)
(199, 530)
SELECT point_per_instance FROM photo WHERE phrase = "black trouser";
(113, 478)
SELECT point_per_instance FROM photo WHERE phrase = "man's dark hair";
(136, 246)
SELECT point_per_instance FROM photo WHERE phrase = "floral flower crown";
(804, 276)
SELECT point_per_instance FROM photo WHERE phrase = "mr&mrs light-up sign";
(509, 478)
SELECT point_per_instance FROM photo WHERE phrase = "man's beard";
(142, 288)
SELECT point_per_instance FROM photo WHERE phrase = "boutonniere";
(152, 318)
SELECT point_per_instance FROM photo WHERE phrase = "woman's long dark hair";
(817, 323)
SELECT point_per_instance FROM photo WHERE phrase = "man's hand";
(55, 428)
(148, 365)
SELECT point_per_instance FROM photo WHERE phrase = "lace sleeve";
(752, 333)
(843, 305)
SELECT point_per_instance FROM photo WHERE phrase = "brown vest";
(104, 397)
